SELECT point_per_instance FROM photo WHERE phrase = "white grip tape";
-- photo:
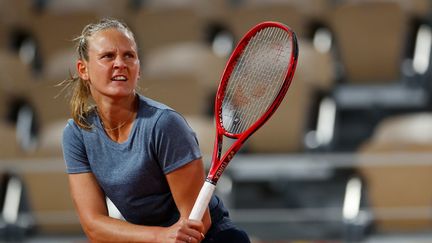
(202, 201)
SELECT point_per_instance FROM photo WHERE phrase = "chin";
(119, 95)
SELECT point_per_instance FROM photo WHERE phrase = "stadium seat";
(15, 88)
(372, 41)
(408, 129)
(166, 4)
(47, 190)
(181, 92)
(205, 130)
(190, 57)
(420, 8)
(50, 102)
(156, 27)
(212, 9)
(309, 8)
(19, 12)
(15, 76)
(51, 41)
(59, 58)
(314, 9)
(184, 76)
(3, 35)
(109, 8)
(9, 147)
(395, 164)
(370, 37)
(285, 131)
(49, 140)
(20, 90)
(241, 19)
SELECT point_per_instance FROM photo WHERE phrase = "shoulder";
(150, 104)
(171, 119)
(72, 134)
(161, 113)
(71, 129)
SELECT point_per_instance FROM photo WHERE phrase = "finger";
(192, 228)
(195, 224)
(190, 239)
(195, 234)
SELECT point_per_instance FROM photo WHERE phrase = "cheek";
(135, 69)
(98, 71)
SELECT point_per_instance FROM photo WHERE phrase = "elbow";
(94, 235)
(91, 230)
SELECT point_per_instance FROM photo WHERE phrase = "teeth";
(119, 78)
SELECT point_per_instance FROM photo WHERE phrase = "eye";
(129, 55)
(107, 56)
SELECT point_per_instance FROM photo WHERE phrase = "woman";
(139, 153)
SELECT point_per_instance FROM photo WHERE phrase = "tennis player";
(139, 153)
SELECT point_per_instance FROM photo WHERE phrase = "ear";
(82, 69)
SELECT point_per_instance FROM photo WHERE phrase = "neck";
(116, 116)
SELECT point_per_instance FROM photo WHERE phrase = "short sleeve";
(175, 142)
(74, 152)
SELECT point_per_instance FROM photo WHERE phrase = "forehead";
(111, 39)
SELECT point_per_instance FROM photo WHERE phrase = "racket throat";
(216, 172)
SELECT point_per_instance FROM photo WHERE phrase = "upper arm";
(185, 184)
(175, 143)
(180, 158)
(74, 151)
(88, 197)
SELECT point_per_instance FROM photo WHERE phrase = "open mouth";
(121, 78)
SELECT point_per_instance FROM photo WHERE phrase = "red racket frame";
(218, 164)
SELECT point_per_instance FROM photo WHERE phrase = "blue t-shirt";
(132, 173)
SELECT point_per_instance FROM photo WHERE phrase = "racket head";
(256, 79)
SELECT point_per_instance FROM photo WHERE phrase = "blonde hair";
(80, 104)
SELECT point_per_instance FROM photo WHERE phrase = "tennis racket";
(254, 83)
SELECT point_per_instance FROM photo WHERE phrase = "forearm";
(185, 192)
(106, 229)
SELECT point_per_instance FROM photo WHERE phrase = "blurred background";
(346, 158)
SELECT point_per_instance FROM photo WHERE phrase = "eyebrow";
(131, 52)
(111, 50)
(104, 52)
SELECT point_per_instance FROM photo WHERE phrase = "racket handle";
(202, 201)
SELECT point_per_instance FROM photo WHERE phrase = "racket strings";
(264, 73)
(240, 77)
(274, 86)
(256, 79)
(242, 118)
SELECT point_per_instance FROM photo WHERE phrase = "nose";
(119, 62)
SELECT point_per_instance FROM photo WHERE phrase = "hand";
(184, 231)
